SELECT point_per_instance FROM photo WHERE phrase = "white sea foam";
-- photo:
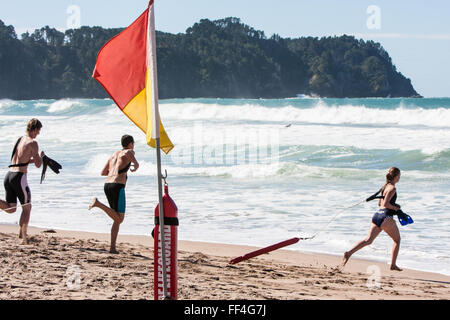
(64, 105)
(42, 104)
(281, 170)
(321, 113)
(95, 164)
(6, 103)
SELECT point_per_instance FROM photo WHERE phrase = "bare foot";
(24, 241)
(345, 259)
(337, 269)
(93, 204)
(395, 268)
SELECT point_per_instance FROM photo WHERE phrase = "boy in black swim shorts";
(115, 170)
(25, 152)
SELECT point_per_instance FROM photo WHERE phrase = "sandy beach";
(45, 269)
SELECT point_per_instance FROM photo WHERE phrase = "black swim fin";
(52, 164)
(44, 169)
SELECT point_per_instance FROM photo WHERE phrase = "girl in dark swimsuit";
(383, 220)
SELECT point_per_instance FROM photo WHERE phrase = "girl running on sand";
(383, 220)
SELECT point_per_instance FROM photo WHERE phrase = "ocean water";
(253, 172)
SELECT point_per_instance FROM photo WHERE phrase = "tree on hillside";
(223, 58)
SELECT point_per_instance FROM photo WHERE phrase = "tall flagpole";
(151, 53)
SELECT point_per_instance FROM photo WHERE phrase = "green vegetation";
(223, 58)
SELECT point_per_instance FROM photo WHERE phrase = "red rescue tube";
(265, 250)
(171, 249)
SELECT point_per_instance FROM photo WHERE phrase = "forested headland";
(219, 59)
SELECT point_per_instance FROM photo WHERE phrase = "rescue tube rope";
(289, 241)
(15, 208)
(332, 219)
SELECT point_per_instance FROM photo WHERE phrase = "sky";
(416, 33)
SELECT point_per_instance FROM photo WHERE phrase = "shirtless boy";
(115, 170)
(26, 151)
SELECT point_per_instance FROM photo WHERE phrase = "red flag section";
(122, 63)
(125, 72)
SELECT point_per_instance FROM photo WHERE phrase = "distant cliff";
(223, 58)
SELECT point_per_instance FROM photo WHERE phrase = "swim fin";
(52, 164)
(409, 219)
(402, 221)
(44, 169)
(403, 218)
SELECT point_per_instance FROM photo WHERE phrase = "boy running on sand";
(115, 170)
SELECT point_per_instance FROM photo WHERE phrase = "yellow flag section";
(126, 68)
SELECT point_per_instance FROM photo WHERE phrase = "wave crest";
(320, 113)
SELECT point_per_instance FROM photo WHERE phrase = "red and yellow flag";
(126, 68)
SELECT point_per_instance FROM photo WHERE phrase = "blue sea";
(253, 172)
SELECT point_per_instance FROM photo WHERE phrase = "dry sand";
(44, 269)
